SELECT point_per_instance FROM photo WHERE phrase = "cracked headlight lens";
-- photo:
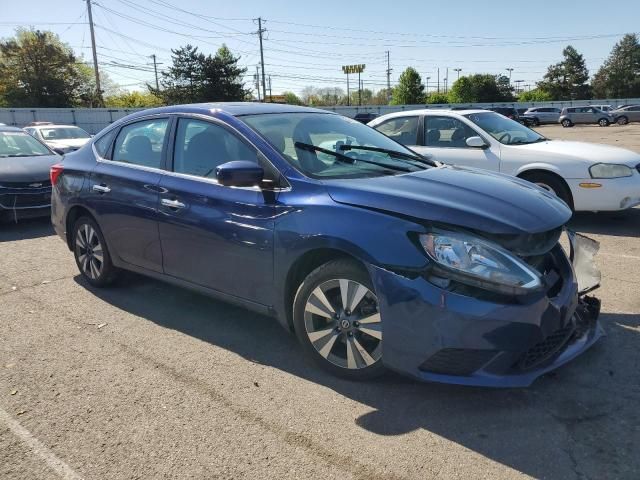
(480, 263)
(609, 170)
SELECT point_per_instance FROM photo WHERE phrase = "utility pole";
(359, 89)
(438, 79)
(257, 78)
(95, 56)
(270, 93)
(388, 77)
(155, 69)
(446, 82)
(509, 70)
(260, 32)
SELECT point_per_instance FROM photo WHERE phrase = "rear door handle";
(172, 203)
(101, 189)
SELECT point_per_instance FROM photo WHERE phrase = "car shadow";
(570, 423)
(25, 229)
(625, 223)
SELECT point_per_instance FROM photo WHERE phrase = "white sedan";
(586, 176)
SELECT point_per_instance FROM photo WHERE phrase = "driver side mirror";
(240, 173)
(476, 142)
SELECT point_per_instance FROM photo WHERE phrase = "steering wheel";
(502, 137)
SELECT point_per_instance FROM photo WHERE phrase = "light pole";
(457, 70)
(509, 70)
(427, 82)
(518, 82)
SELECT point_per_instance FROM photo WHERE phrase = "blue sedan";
(374, 256)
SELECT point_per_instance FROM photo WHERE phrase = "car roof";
(430, 111)
(7, 128)
(232, 108)
(53, 125)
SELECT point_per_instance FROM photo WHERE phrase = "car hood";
(470, 198)
(71, 142)
(26, 169)
(588, 152)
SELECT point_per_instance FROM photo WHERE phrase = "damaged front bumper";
(438, 335)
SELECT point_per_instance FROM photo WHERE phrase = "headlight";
(609, 170)
(480, 263)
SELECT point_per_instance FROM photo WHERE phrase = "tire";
(343, 342)
(566, 123)
(552, 183)
(91, 253)
(622, 120)
(535, 122)
(603, 122)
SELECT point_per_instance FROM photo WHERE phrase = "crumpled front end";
(469, 337)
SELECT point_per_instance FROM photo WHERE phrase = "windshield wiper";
(391, 153)
(520, 142)
(345, 159)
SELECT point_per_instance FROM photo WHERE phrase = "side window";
(103, 144)
(141, 143)
(202, 146)
(447, 132)
(634, 109)
(403, 130)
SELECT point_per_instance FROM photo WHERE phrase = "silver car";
(540, 115)
(627, 114)
(571, 116)
(604, 108)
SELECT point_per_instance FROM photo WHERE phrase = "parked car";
(542, 115)
(373, 255)
(512, 113)
(365, 117)
(586, 176)
(571, 116)
(61, 138)
(604, 108)
(25, 189)
(627, 114)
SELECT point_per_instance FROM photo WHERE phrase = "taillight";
(55, 172)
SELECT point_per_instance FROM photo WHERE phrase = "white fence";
(95, 119)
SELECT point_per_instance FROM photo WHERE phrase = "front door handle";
(172, 203)
(101, 189)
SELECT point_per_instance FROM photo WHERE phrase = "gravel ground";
(144, 380)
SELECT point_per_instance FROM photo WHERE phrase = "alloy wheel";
(343, 323)
(89, 251)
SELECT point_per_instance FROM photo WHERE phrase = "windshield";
(504, 130)
(63, 133)
(20, 144)
(302, 137)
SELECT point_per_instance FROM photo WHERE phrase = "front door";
(123, 191)
(445, 139)
(215, 236)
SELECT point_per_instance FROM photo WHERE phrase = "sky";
(307, 42)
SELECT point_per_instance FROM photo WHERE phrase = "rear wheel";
(535, 122)
(553, 184)
(622, 120)
(603, 122)
(91, 254)
(337, 320)
(566, 123)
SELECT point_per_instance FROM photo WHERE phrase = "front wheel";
(337, 320)
(603, 122)
(566, 123)
(91, 254)
(553, 184)
(622, 120)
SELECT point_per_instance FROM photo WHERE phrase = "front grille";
(25, 200)
(457, 361)
(544, 350)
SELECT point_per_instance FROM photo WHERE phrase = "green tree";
(381, 97)
(196, 77)
(481, 88)
(410, 90)
(291, 98)
(535, 95)
(366, 96)
(133, 100)
(619, 75)
(38, 70)
(437, 98)
(567, 80)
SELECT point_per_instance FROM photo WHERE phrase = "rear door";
(445, 138)
(633, 113)
(404, 130)
(123, 192)
(215, 236)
